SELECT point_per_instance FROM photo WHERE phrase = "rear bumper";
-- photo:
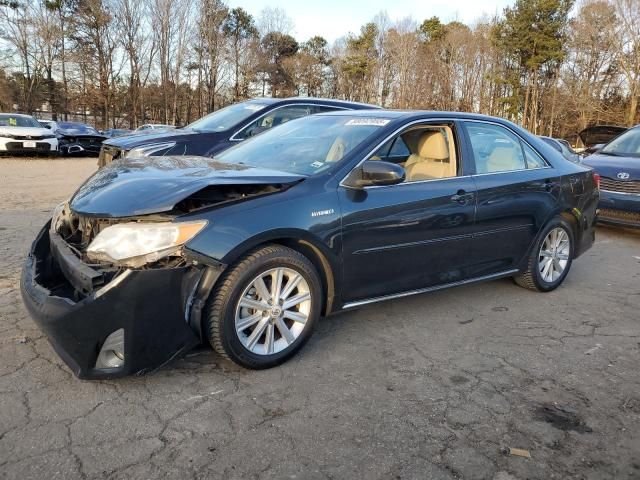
(152, 306)
(619, 209)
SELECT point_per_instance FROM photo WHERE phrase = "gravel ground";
(435, 386)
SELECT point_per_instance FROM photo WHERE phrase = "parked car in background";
(221, 129)
(152, 256)
(153, 126)
(49, 124)
(563, 147)
(594, 137)
(79, 139)
(618, 164)
(116, 132)
(23, 134)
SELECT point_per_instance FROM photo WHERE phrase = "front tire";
(265, 307)
(550, 258)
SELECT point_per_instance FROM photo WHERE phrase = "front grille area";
(630, 218)
(628, 186)
(25, 137)
(19, 147)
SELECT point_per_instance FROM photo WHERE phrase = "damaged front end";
(111, 279)
(116, 308)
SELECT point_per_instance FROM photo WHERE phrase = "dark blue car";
(618, 164)
(221, 129)
(329, 212)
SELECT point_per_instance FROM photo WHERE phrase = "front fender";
(314, 219)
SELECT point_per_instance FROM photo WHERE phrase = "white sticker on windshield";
(317, 164)
(376, 122)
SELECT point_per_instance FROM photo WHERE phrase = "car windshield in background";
(77, 129)
(304, 146)
(18, 121)
(626, 145)
(227, 117)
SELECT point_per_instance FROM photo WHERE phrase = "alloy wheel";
(272, 311)
(554, 255)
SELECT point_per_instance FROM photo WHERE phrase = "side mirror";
(48, 127)
(376, 173)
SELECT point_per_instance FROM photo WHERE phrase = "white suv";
(24, 134)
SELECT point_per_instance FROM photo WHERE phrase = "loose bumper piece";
(135, 323)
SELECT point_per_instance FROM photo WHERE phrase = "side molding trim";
(484, 278)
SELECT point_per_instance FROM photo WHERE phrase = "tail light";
(596, 178)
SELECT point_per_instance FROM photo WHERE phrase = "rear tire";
(550, 259)
(255, 317)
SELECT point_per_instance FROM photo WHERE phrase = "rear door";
(517, 190)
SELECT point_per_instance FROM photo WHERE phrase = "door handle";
(461, 197)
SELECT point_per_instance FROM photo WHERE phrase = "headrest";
(433, 145)
(502, 158)
(336, 152)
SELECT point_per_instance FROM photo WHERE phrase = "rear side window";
(533, 159)
(276, 117)
(496, 149)
(324, 108)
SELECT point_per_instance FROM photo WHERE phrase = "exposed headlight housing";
(136, 244)
(148, 150)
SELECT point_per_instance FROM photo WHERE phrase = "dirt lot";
(432, 387)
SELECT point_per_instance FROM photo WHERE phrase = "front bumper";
(42, 145)
(80, 148)
(619, 209)
(152, 306)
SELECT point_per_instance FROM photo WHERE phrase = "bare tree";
(18, 31)
(628, 34)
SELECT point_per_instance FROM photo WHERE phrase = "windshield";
(77, 128)
(626, 145)
(305, 146)
(18, 121)
(227, 117)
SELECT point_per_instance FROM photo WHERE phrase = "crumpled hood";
(128, 187)
(610, 166)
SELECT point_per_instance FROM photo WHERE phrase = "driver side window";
(426, 152)
(274, 118)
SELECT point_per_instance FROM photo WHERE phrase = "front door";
(415, 234)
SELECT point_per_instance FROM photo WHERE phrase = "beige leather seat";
(504, 159)
(432, 159)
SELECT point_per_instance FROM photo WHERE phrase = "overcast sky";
(335, 18)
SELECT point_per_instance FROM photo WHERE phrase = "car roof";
(417, 114)
(317, 101)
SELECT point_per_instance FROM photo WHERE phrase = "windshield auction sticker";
(376, 122)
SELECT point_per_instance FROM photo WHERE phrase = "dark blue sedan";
(329, 212)
(221, 129)
(618, 164)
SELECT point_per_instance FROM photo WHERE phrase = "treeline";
(550, 65)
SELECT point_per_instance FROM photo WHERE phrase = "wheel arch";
(305, 244)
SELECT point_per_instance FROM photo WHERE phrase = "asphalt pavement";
(436, 386)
